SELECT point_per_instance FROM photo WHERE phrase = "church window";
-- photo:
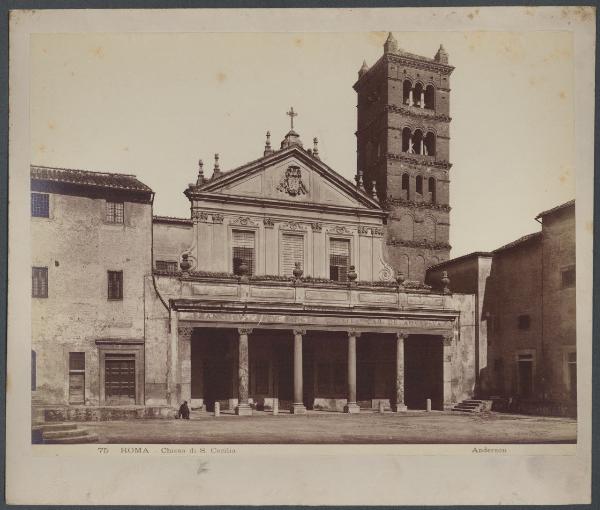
(115, 285)
(406, 142)
(76, 377)
(114, 212)
(419, 185)
(339, 259)
(292, 247)
(431, 189)
(243, 252)
(407, 92)
(166, 265)
(40, 205)
(418, 142)
(419, 95)
(429, 97)
(405, 186)
(523, 321)
(39, 282)
(429, 144)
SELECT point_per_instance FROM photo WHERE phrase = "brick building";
(525, 327)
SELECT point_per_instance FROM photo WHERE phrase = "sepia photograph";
(354, 236)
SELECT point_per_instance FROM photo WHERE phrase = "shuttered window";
(293, 251)
(339, 259)
(39, 282)
(76, 377)
(115, 284)
(243, 251)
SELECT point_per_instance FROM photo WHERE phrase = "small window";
(339, 259)
(293, 252)
(243, 251)
(115, 284)
(419, 185)
(523, 321)
(40, 205)
(39, 282)
(76, 377)
(114, 212)
(568, 277)
(169, 266)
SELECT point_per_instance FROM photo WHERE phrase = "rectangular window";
(568, 277)
(115, 284)
(40, 205)
(523, 321)
(166, 265)
(33, 371)
(293, 251)
(76, 378)
(243, 252)
(114, 212)
(339, 259)
(39, 282)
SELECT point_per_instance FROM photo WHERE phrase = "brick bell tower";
(403, 151)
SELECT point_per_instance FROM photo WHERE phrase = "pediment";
(292, 176)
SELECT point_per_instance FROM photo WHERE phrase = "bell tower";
(403, 152)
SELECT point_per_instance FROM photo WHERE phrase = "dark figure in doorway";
(184, 411)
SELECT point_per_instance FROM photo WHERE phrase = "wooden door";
(119, 380)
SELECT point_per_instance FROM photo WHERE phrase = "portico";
(322, 358)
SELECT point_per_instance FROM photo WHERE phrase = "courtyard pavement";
(318, 427)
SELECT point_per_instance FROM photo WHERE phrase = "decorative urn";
(445, 282)
(185, 263)
(298, 272)
(352, 274)
(400, 278)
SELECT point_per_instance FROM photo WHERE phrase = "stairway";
(473, 406)
(62, 433)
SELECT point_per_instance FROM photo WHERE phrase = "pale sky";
(153, 104)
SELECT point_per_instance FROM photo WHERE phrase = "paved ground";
(318, 427)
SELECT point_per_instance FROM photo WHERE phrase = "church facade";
(288, 285)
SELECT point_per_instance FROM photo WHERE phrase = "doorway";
(119, 379)
(423, 372)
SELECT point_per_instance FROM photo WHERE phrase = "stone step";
(63, 434)
(53, 427)
(83, 438)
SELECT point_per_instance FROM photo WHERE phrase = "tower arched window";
(417, 142)
(405, 186)
(429, 144)
(431, 189)
(419, 185)
(406, 145)
(419, 95)
(429, 97)
(407, 98)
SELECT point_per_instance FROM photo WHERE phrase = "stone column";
(172, 359)
(422, 105)
(298, 404)
(352, 406)
(448, 340)
(399, 405)
(184, 382)
(410, 97)
(243, 408)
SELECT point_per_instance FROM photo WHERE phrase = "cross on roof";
(292, 114)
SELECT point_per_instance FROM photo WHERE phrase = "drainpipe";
(152, 259)
(543, 357)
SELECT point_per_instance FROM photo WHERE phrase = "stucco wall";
(78, 248)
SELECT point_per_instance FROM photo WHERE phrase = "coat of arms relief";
(291, 183)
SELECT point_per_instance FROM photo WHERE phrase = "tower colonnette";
(403, 152)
